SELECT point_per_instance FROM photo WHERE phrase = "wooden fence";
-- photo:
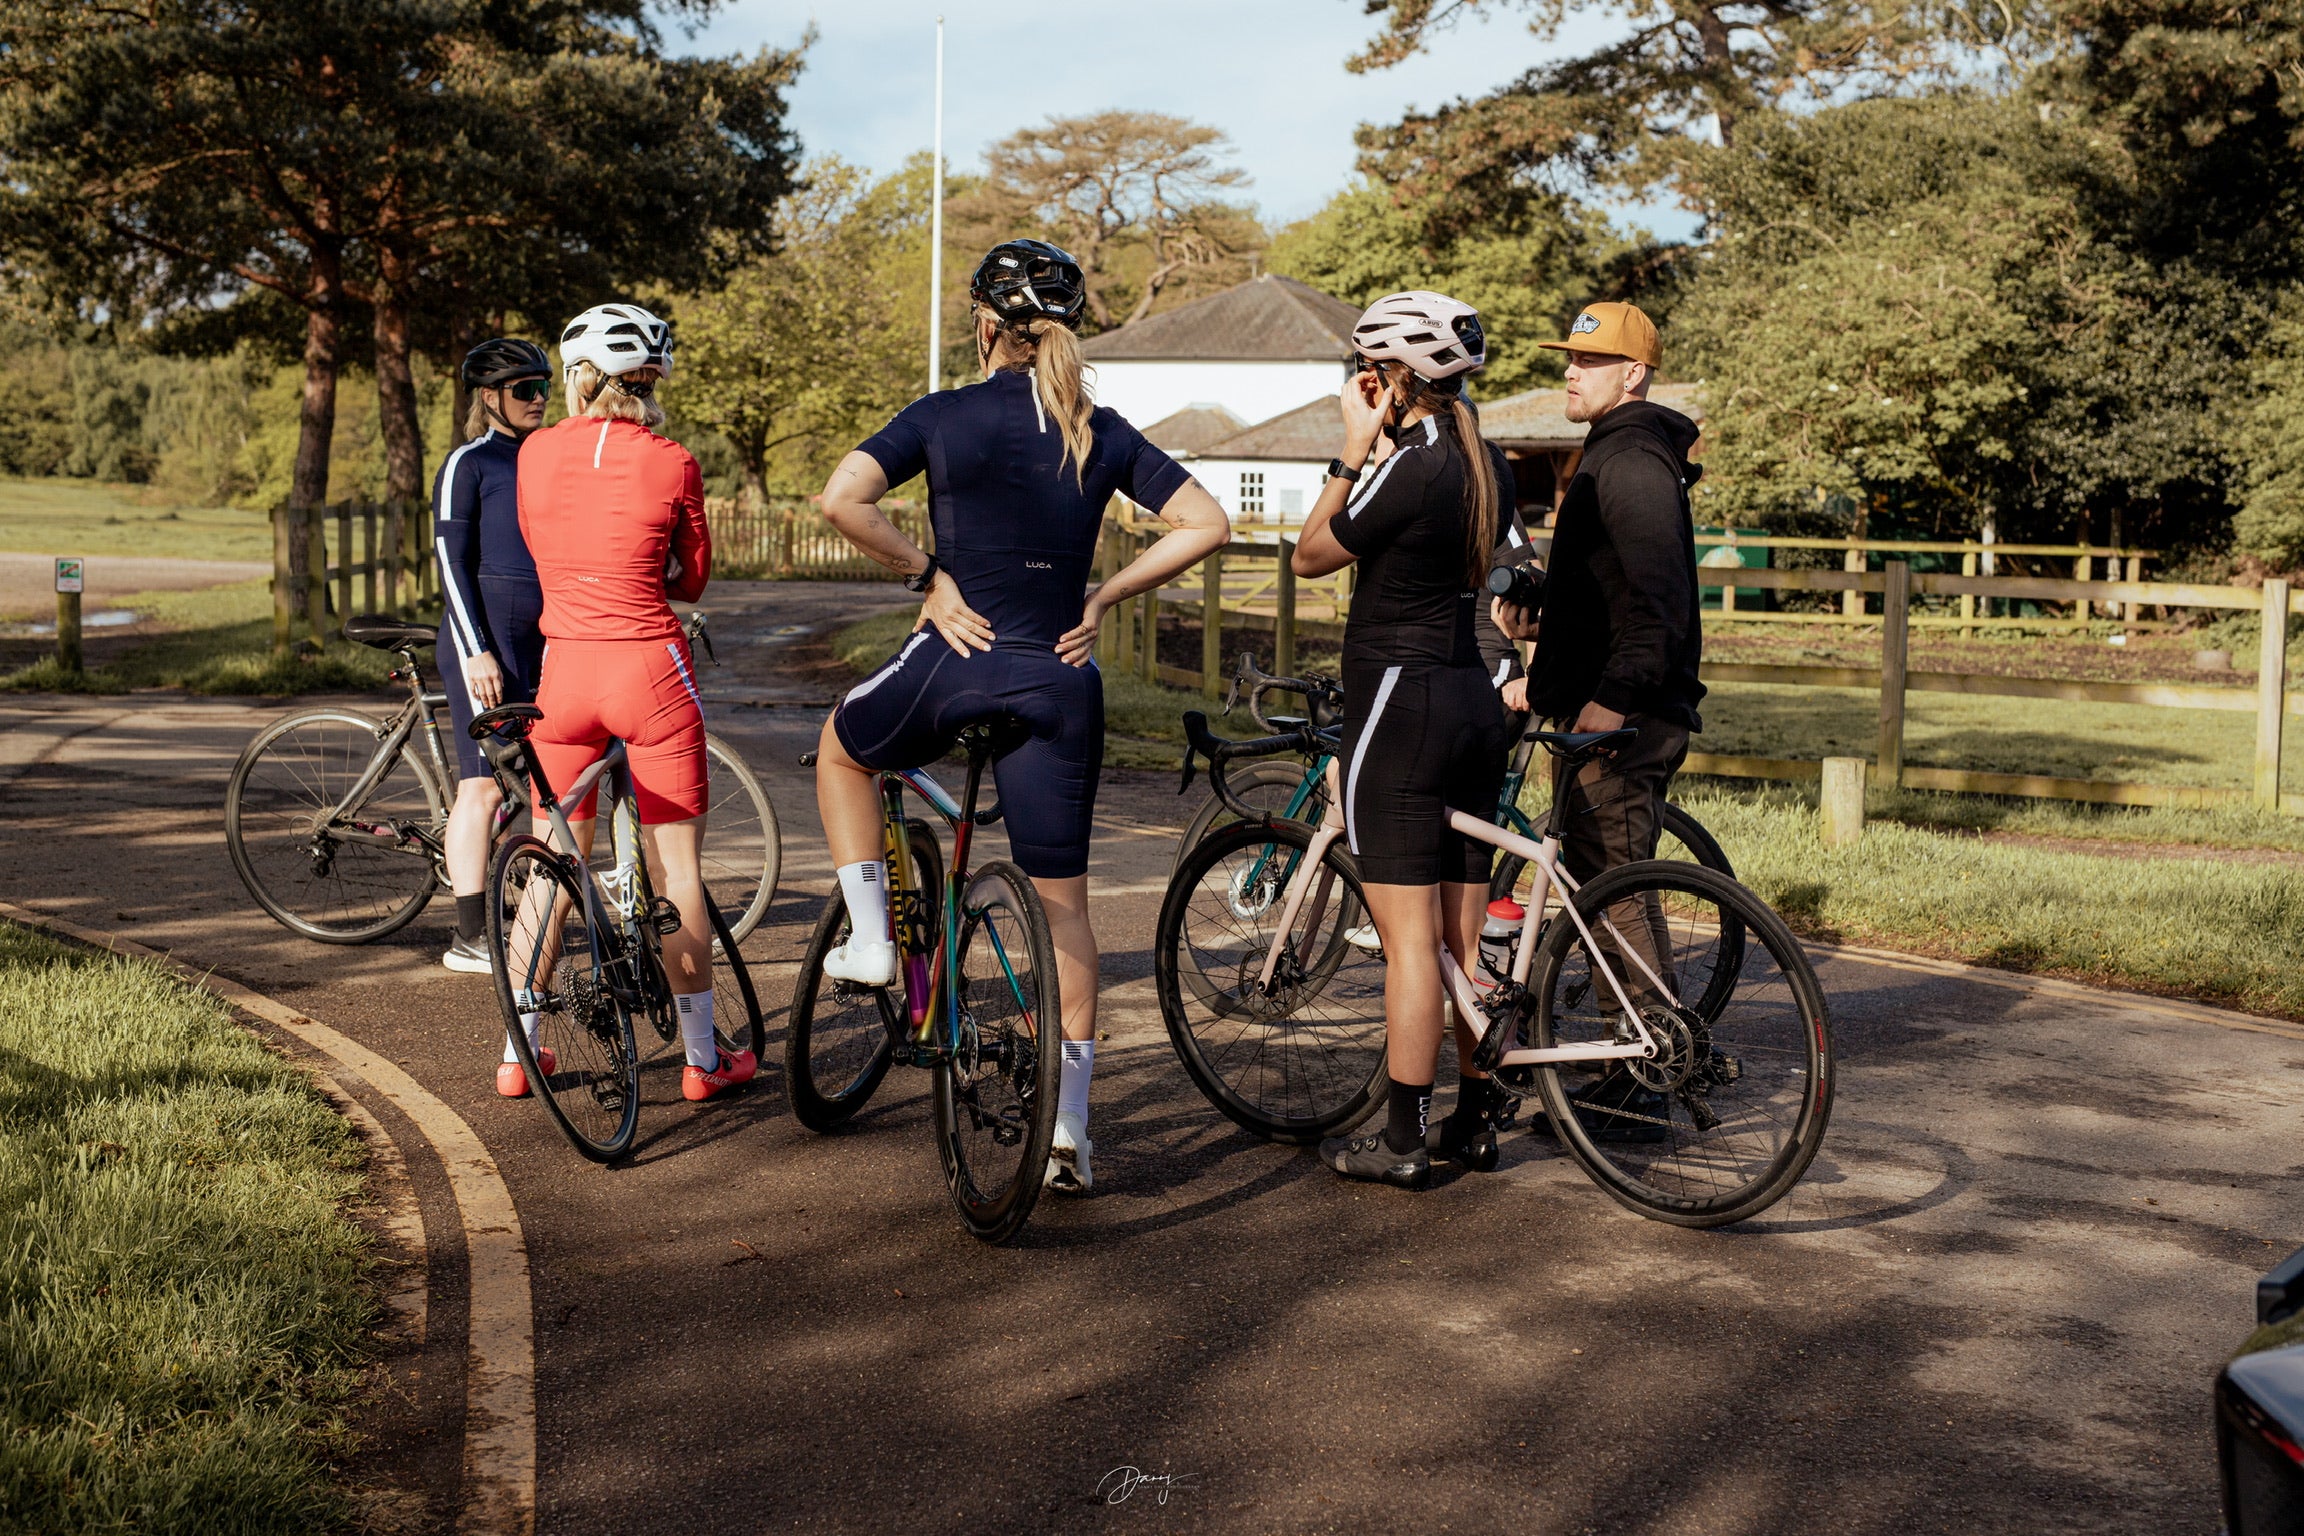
(791, 541)
(1251, 587)
(1720, 557)
(395, 569)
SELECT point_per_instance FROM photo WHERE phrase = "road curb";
(498, 1495)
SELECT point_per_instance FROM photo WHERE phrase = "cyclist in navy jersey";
(1020, 469)
(1425, 731)
(490, 649)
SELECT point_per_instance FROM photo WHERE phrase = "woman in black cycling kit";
(1424, 730)
(1020, 468)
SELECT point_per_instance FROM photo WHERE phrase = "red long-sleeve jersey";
(614, 515)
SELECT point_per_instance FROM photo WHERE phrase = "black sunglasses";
(530, 390)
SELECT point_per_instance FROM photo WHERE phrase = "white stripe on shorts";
(886, 672)
(1359, 751)
(686, 681)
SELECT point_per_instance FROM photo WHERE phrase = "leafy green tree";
(807, 345)
(1527, 274)
(2268, 439)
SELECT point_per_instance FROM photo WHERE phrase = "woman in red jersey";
(614, 515)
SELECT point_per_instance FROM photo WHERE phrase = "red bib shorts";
(642, 693)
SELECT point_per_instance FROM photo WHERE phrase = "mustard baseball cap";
(1617, 330)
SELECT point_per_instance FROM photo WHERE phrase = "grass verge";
(1143, 722)
(57, 516)
(183, 1295)
(216, 640)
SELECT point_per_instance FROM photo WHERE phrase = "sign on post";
(71, 580)
(71, 574)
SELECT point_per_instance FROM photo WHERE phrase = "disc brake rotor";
(1676, 1053)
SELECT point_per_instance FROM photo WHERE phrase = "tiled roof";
(1192, 429)
(1313, 431)
(1539, 418)
(1266, 319)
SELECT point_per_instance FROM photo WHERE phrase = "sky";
(1268, 72)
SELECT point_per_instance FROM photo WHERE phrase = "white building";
(1255, 350)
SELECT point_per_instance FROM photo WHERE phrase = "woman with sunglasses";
(491, 649)
(1424, 730)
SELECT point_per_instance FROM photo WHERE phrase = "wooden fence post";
(1212, 625)
(1843, 800)
(1967, 599)
(316, 573)
(1852, 602)
(1895, 647)
(2271, 692)
(1284, 625)
(283, 566)
(343, 561)
(67, 629)
(367, 557)
(391, 558)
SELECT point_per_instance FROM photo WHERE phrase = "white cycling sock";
(528, 1022)
(696, 1029)
(1072, 1086)
(865, 885)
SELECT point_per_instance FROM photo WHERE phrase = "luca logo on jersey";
(1038, 565)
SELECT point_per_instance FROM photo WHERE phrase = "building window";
(1251, 493)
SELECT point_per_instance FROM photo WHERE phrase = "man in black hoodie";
(1619, 635)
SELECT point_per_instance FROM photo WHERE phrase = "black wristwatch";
(926, 578)
(1340, 470)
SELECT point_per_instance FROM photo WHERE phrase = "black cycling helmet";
(502, 359)
(1025, 280)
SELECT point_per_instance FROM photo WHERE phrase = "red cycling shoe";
(512, 1079)
(735, 1071)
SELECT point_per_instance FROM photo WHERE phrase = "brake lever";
(697, 631)
(1190, 763)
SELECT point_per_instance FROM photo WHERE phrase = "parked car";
(2260, 1413)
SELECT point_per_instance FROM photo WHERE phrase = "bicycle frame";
(931, 999)
(1544, 856)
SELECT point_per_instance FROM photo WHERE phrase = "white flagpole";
(936, 233)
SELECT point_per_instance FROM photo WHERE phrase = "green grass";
(90, 517)
(1143, 722)
(181, 1294)
(219, 641)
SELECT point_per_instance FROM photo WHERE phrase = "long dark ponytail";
(1483, 497)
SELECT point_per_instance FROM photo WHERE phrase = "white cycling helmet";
(617, 338)
(1436, 336)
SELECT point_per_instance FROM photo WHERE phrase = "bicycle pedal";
(664, 915)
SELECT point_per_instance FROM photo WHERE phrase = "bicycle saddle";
(512, 721)
(387, 633)
(996, 736)
(1584, 743)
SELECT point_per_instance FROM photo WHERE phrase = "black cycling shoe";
(1368, 1157)
(1618, 1110)
(1461, 1137)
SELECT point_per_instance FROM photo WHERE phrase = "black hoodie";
(1620, 623)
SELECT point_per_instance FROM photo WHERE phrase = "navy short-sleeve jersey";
(1406, 524)
(1015, 525)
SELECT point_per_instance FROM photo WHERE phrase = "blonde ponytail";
(1482, 496)
(1059, 379)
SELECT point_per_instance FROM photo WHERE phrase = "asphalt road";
(1995, 1306)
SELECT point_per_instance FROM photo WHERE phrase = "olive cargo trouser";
(1611, 814)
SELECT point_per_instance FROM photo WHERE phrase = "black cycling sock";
(1410, 1111)
(471, 911)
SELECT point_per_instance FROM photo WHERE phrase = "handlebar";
(1202, 742)
(695, 631)
(1323, 696)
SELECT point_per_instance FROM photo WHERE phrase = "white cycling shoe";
(1365, 938)
(1068, 1170)
(868, 963)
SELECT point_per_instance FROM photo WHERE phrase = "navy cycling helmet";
(502, 359)
(1020, 281)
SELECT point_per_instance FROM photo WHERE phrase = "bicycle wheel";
(743, 845)
(842, 1036)
(995, 1094)
(324, 857)
(735, 1003)
(1267, 787)
(1303, 1058)
(1680, 838)
(550, 960)
(1725, 1120)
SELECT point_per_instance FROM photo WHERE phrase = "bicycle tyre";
(1775, 1052)
(736, 1002)
(834, 1060)
(593, 1089)
(744, 843)
(278, 783)
(1278, 1078)
(1263, 785)
(983, 1102)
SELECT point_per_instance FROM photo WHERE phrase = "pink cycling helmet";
(1436, 336)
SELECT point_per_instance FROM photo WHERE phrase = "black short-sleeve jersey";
(1014, 524)
(1405, 523)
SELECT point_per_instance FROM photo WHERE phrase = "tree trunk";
(752, 487)
(1719, 57)
(316, 423)
(396, 398)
